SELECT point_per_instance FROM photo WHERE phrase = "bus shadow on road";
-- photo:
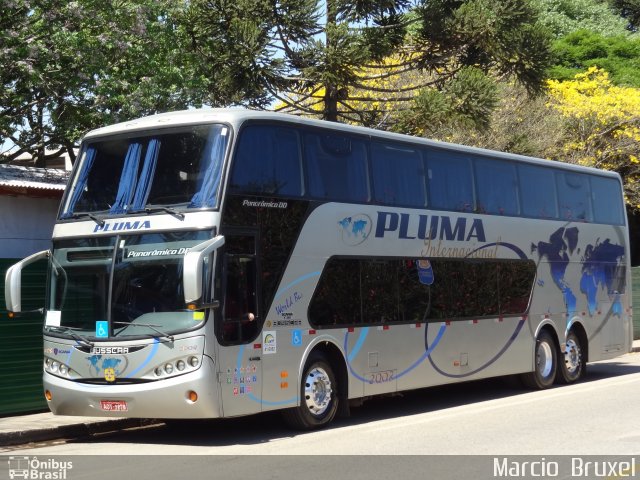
(269, 426)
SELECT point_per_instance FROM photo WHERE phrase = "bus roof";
(237, 116)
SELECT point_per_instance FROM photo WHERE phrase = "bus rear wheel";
(545, 363)
(573, 362)
(319, 396)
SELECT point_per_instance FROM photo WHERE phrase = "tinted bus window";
(606, 195)
(538, 192)
(336, 167)
(336, 300)
(398, 175)
(267, 161)
(374, 291)
(573, 196)
(450, 181)
(497, 187)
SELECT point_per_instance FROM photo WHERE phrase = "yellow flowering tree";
(602, 126)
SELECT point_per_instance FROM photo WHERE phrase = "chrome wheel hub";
(317, 391)
(544, 359)
(572, 356)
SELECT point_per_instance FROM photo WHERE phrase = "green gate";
(21, 353)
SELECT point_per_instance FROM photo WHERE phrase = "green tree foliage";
(71, 66)
(628, 9)
(319, 58)
(563, 17)
(520, 123)
(619, 55)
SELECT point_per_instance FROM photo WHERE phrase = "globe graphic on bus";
(355, 229)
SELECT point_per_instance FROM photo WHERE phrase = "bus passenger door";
(239, 358)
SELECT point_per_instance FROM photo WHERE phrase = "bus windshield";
(132, 173)
(121, 286)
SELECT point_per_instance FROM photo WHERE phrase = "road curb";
(72, 431)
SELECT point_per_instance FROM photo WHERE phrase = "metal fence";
(21, 345)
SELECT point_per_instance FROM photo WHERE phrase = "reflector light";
(47, 395)
(193, 396)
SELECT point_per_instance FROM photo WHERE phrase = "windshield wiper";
(168, 210)
(93, 217)
(70, 331)
(153, 327)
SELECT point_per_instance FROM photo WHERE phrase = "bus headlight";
(58, 368)
(175, 367)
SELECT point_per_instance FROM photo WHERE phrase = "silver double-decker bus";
(217, 263)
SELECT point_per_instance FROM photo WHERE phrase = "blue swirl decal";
(295, 282)
(152, 353)
(490, 362)
(360, 342)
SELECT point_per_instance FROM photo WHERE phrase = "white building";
(29, 200)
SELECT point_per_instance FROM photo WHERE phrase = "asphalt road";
(491, 419)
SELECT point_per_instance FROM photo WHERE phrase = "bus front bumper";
(168, 398)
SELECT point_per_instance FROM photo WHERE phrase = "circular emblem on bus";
(355, 229)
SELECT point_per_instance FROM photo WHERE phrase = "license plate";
(113, 405)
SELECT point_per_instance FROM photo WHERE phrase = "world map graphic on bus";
(98, 363)
(355, 229)
(600, 268)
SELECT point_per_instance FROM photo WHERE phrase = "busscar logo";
(33, 468)
(110, 350)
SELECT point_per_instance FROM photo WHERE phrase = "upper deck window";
(267, 161)
(398, 175)
(337, 167)
(122, 174)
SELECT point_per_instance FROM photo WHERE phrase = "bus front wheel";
(545, 363)
(319, 396)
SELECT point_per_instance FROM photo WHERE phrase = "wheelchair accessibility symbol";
(296, 338)
(102, 329)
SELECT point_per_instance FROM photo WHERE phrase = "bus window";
(606, 194)
(398, 175)
(497, 187)
(267, 161)
(515, 282)
(537, 192)
(415, 295)
(573, 196)
(336, 167)
(450, 181)
(379, 291)
(240, 323)
(336, 300)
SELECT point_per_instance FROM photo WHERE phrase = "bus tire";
(573, 363)
(545, 363)
(318, 396)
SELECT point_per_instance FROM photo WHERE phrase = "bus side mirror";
(13, 281)
(193, 262)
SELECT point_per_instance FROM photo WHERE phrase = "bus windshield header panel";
(180, 167)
